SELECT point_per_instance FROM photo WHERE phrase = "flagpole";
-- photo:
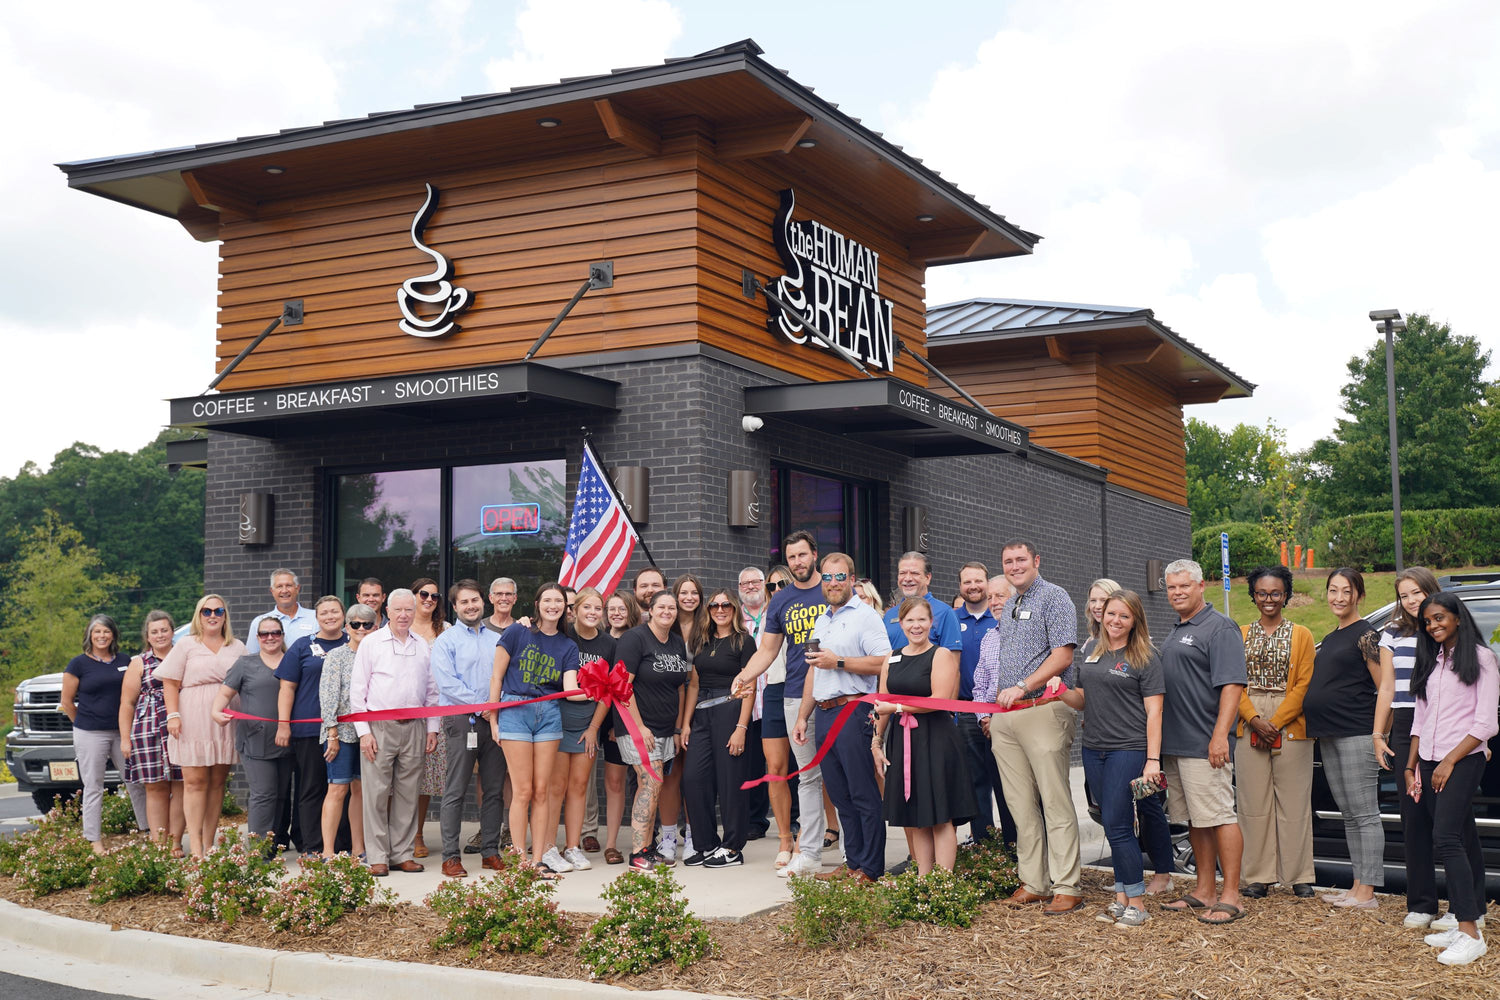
(645, 549)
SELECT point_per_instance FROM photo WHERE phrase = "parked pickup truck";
(39, 750)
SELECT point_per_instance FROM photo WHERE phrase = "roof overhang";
(750, 108)
(1136, 339)
(440, 397)
(891, 414)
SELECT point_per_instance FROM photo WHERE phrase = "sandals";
(612, 856)
(543, 873)
(783, 858)
(1189, 903)
(830, 839)
(1235, 912)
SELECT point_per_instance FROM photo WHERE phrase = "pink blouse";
(1453, 709)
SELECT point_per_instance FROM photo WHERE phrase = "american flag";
(600, 536)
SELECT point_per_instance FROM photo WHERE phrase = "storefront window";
(475, 521)
(840, 514)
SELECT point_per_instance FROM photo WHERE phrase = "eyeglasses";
(775, 585)
(269, 635)
(1268, 595)
(721, 606)
(213, 612)
(840, 577)
(427, 595)
(754, 581)
(361, 626)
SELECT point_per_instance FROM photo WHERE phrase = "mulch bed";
(1285, 948)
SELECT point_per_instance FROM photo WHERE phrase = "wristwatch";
(841, 663)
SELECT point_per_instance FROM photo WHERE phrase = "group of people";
(735, 683)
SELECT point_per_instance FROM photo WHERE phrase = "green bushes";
(139, 868)
(228, 882)
(1467, 536)
(316, 899)
(508, 911)
(647, 923)
(1250, 545)
(116, 814)
(839, 912)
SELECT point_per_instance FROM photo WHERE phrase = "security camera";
(752, 424)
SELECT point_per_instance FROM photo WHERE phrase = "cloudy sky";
(1261, 180)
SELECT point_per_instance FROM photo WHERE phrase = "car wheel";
(1182, 854)
(45, 799)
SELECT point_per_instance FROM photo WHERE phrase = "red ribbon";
(912, 700)
(597, 681)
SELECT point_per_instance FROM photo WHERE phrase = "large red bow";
(601, 682)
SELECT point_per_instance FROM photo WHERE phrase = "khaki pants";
(1031, 749)
(390, 785)
(1273, 795)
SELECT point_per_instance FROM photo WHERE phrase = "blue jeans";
(1109, 774)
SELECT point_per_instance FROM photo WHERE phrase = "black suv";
(1481, 594)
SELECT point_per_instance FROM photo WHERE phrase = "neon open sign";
(510, 519)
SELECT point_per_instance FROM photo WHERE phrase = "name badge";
(1024, 616)
(472, 742)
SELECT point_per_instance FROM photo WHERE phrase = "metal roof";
(983, 320)
(743, 55)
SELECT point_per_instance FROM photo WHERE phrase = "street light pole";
(1391, 318)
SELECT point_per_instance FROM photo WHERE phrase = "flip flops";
(1189, 903)
(1235, 912)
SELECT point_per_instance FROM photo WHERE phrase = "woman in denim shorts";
(529, 663)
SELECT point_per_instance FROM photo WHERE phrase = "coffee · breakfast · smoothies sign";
(833, 284)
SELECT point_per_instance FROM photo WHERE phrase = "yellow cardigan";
(1288, 714)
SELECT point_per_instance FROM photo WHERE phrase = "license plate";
(63, 770)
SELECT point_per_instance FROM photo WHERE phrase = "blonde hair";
(1110, 588)
(196, 625)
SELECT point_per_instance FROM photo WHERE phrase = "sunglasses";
(361, 626)
(213, 612)
(775, 585)
(269, 635)
(721, 606)
(427, 595)
(840, 577)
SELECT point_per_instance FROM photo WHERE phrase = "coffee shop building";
(709, 272)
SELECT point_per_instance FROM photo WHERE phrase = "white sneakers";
(553, 859)
(800, 864)
(1415, 920)
(1463, 950)
(1448, 922)
(577, 859)
(666, 846)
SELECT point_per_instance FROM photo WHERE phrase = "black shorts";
(773, 713)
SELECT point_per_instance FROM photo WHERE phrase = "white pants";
(809, 787)
(94, 751)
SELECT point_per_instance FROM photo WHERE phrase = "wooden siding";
(1121, 417)
(679, 227)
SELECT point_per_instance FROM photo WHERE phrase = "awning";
(890, 414)
(423, 398)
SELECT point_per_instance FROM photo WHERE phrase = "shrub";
(508, 911)
(228, 882)
(116, 814)
(50, 864)
(646, 923)
(939, 897)
(139, 868)
(989, 866)
(320, 895)
(61, 822)
(840, 912)
(1459, 537)
(1250, 545)
(231, 806)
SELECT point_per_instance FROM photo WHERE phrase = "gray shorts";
(665, 749)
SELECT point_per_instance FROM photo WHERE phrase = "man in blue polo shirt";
(914, 579)
(853, 648)
(982, 596)
(462, 661)
(789, 622)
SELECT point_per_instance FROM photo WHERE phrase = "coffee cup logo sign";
(447, 298)
(833, 284)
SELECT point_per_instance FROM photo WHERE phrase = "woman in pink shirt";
(1456, 684)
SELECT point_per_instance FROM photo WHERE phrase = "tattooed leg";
(643, 811)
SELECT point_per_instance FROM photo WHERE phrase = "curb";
(9, 789)
(333, 977)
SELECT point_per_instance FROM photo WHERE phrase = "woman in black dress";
(940, 790)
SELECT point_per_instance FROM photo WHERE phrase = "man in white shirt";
(296, 621)
(391, 671)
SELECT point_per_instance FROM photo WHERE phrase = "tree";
(1484, 453)
(1227, 470)
(1439, 386)
(56, 583)
(143, 520)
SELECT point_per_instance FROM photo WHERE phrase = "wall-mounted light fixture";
(744, 504)
(634, 485)
(256, 518)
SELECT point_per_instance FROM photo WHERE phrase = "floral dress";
(148, 730)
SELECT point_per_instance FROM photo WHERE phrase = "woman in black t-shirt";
(657, 662)
(91, 700)
(714, 765)
(1340, 711)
